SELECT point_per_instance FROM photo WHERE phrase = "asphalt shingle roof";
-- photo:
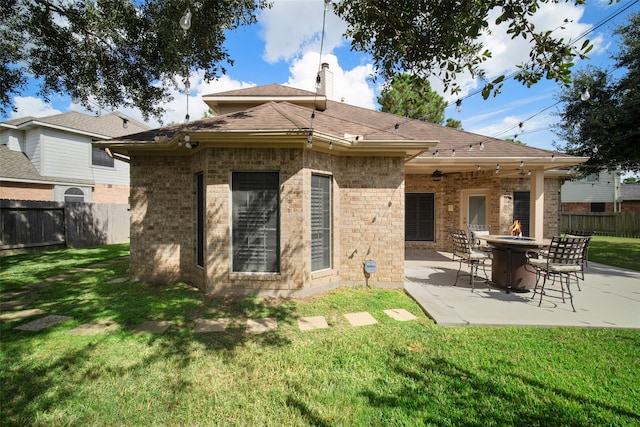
(108, 125)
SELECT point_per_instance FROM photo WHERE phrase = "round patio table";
(509, 263)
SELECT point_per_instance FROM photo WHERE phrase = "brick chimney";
(326, 81)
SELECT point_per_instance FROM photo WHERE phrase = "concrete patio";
(610, 297)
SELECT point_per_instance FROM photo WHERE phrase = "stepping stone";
(18, 304)
(23, 314)
(43, 322)
(400, 314)
(258, 326)
(119, 280)
(153, 327)
(99, 265)
(211, 325)
(360, 319)
(41, 285)
(80, 270)
(94, 327)
(17, 293)
(59, 277)
(313, 322)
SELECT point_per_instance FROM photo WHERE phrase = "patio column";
(536, 206)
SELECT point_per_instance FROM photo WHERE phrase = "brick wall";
(630, 206)
(23, 191)
(110, 193)
(368, 218)
(161, 217)
(371, 218)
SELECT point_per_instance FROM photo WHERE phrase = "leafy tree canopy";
(606, 126)
(441, 37)
(116, 52)
(411, 96)
(129, 52)
(452, 123)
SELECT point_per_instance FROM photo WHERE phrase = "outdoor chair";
(560, 260)
(585, 254)
(476, 232)
(472, 257)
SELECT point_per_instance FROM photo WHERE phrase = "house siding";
(368, 219)
(33, 148)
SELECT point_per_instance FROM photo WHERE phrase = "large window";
(200, 203)
(320, 222)
(256, 222)
(99, 157)
(419, 223)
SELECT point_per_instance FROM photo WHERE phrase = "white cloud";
(352, 85)
(507, 53)
(292, 27)
(32, 106)
(176, 109)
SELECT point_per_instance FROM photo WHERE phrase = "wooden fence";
(34, 225)
(621, 224)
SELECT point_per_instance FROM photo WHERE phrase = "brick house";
(51, 158)
(288, 192)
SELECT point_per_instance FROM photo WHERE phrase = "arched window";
(73, 195)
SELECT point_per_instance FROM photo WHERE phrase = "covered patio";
(610, 297)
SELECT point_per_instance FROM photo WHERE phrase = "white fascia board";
(44, 181)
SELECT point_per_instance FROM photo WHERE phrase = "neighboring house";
(630, 198)
(598, 192)
(51, 158)
(289, 192)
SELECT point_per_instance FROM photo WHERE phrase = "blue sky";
(284, 48)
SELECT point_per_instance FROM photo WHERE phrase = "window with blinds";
(99, 157)
(200, 206)
(320, 222)
(419, 223)
(256, 222)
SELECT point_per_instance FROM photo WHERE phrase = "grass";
(616, 251)
(391, 373)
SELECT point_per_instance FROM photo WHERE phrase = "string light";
(585, 95)
(185, 21)
(458, 105)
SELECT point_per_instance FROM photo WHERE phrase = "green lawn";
(617, 251)
(392, 373)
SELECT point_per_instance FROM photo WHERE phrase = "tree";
(441, 37)
(606, 126)
(114, 52)
(130, 52)
(411, 96)
(452, 123)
